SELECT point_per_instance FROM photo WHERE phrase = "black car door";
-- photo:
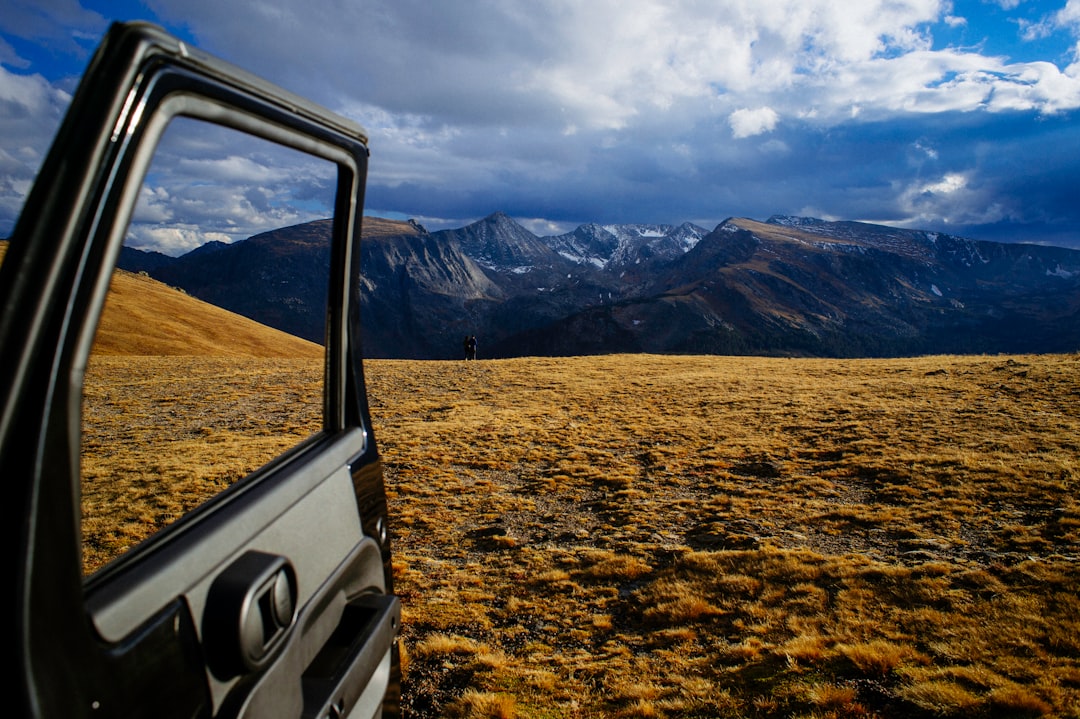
(273, 596)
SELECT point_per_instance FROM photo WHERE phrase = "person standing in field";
(465, 345)
(470, 352)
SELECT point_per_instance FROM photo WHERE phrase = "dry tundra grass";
(643, 536)
(639, 536)
(678, 536)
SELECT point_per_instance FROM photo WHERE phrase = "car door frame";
(139, 638)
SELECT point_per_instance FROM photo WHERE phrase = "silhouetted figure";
(465, 346)
(470, 347)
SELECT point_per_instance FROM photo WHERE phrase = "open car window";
(195, 378)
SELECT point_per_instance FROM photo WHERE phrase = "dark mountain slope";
(420, 296)
(794, 286)
(276, 278)
(500, 244)
(837, 289)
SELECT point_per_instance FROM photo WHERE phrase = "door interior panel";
(310, 520)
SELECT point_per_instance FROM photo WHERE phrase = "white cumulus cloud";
(950, 183)
(746, 122)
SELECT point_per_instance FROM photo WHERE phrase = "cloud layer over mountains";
(959, 116)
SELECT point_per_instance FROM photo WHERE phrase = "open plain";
(647, 536)
(640, 536)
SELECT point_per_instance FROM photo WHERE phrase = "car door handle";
(346, 664)
(249, 610)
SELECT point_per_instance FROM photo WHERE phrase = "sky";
(958, 117)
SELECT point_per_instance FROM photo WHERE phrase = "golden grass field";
(645, 536)
(639, 536)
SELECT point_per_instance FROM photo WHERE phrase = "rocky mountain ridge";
(786, 286)
(620, 246)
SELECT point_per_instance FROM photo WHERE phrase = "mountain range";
(787, 286)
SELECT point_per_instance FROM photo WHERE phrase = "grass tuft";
(942, 698)
(482, 705)
(877, 657)
(1017, 701)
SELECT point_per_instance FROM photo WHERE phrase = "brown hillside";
(145, 317)
(381, 227)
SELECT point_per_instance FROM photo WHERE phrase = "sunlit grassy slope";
(145, 317)
(153, 319)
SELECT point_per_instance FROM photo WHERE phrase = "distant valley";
(785, 287)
